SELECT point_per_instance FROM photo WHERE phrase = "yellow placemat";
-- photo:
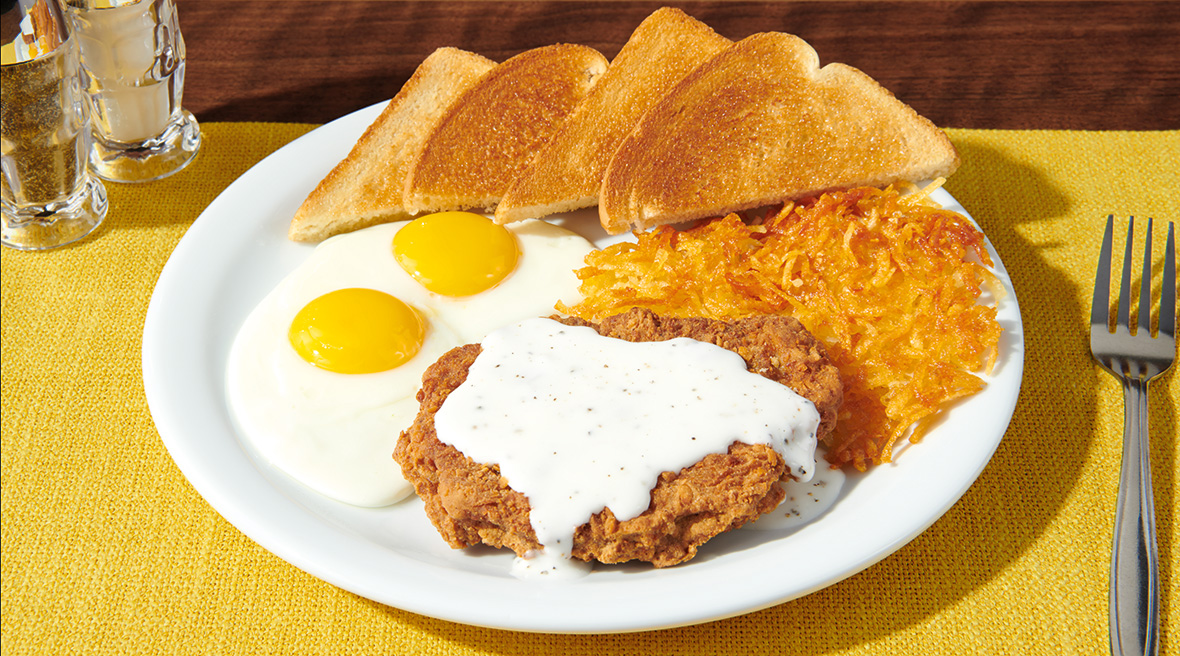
(108, 550)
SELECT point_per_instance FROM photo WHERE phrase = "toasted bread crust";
(489, 134)
(366, 188)
(759, 124)
(567, 172)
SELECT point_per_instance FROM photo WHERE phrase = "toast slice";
(366, 187)
(759, 124)
(567, 172)
(489, 134)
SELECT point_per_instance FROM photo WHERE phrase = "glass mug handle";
(133, 62)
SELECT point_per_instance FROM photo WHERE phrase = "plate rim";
(275, 522)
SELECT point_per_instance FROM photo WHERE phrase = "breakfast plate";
(237, 251)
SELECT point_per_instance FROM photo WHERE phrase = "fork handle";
(1134, 567)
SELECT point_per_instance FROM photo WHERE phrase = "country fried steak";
(470, 503)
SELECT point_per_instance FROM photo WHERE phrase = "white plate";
(237, 251)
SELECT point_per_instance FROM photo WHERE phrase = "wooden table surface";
(993, 64)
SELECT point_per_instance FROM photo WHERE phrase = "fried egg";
(322, 376)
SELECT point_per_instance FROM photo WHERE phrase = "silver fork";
(1134, 359)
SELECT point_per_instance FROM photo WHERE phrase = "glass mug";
(133, 65)
(48, 198)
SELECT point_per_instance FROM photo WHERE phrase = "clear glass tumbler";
(48, 197)
(133, 64)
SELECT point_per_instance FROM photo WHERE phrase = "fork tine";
(1167, 319)
(1145, 286)
(1100, 306)
(1124, 316)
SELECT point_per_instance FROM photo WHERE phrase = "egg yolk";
(456, 253)
(356, 331)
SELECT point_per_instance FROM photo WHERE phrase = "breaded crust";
(470, 503)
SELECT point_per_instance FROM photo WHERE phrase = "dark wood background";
(994, 64)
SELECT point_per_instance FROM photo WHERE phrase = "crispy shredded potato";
(890, 283)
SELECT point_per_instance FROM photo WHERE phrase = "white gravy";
(804, 500)
(578, 422)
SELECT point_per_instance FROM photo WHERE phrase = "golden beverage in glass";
(133, 64)
(48, 197)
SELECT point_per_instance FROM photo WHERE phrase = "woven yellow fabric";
(108, 550)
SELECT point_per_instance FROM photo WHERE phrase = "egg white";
(335, 432)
